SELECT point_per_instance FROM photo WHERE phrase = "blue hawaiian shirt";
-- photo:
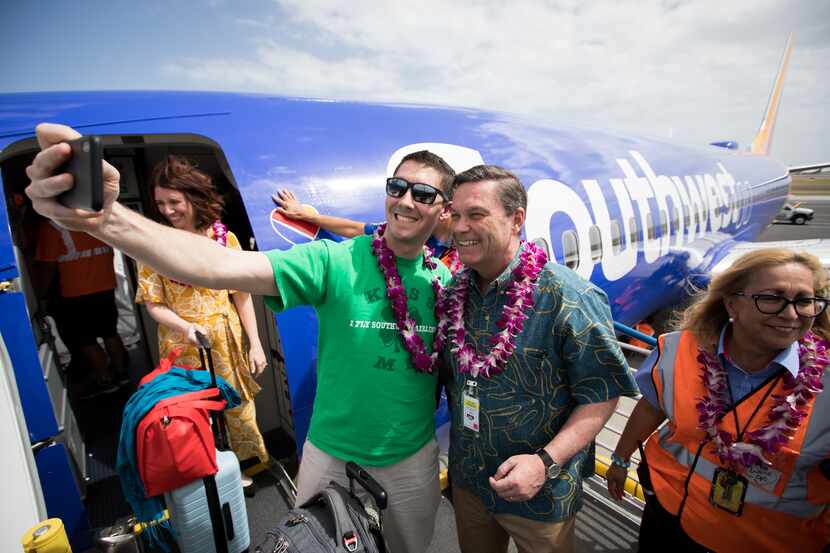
(566, 355)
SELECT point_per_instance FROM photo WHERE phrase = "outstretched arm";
(174, 253)
(288, 205)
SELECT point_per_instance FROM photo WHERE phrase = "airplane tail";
(762, 142)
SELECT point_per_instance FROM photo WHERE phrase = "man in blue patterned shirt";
(522, 439)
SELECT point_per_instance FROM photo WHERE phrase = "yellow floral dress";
(213, 310)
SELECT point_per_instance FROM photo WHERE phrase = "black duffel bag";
(335, 520)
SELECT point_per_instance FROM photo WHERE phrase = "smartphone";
(85, 167)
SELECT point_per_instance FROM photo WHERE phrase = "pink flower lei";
(421, 360)
(220, 232)
(520, 301)
(784, 418)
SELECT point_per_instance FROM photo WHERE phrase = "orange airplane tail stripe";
(762, 142)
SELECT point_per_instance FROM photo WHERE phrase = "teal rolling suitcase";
(209, 515)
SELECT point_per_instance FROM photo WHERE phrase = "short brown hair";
(425, 157)
(180, 174)
(707, 315)
(512, 194)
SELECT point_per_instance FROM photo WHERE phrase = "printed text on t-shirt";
(387, 325)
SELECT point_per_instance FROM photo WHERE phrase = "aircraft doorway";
(89, 414)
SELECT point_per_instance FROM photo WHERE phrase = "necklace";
(220, 232)
(520, 300)
(421, 360)
(786, 414)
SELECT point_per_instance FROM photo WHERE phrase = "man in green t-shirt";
(372, 406)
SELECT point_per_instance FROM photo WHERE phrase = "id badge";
(471, 405)
(728, 491)
(763, 477)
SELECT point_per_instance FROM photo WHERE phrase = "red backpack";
(174, 442)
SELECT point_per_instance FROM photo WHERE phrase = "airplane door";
(16, 329)
(62, 497)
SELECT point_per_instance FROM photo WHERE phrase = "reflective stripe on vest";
(667, 346)
(72, 253)
(816, 443)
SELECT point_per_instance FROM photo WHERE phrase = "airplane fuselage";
(640, 218)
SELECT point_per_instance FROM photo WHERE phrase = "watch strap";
(552, 468)
(546, 458)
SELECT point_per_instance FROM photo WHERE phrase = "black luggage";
(334, 520)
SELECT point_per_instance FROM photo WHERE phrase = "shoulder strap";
(196, 399)
(347, 538)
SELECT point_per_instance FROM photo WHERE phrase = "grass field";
(810, 185)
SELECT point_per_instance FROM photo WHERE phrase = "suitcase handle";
(356, 472)
(204, 343)
(218, 418)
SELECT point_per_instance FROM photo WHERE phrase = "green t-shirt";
(371, 406)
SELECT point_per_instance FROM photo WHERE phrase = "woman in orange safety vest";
(741, 463)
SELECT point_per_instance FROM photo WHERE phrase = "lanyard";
(738, 431)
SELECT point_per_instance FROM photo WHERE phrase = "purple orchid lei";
(220, 232)
(788, 411)
(520, 301)
(421, 360)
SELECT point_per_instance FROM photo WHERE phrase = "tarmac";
(819, 227)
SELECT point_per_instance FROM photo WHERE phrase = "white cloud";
(697, 71)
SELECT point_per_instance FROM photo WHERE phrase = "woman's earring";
(731, 320)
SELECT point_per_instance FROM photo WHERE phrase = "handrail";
(628, 347)
(628, 331)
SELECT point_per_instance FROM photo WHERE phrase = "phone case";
(85, 167)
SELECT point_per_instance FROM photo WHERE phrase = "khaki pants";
(412, 487)
(480, 531)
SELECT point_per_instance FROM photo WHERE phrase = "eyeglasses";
(396, 187)
(772, 304)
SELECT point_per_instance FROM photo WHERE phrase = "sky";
(691, 72)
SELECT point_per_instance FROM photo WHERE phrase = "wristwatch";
(552, 469)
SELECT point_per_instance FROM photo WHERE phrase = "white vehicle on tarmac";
(794, 214)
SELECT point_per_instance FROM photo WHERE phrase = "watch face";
(553, 471)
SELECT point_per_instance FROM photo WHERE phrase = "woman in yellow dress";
(185, 199)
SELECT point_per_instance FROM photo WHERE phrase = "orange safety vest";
(85, 264)
(783, 507)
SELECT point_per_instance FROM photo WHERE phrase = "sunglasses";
(396, 187)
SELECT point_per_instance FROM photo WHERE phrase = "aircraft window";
(596, 243)
(542, 243)
(686, 220)
(675, 220)
(570, 249)
(649, 226)
(634, 229)
(663, 223)
(616, 236)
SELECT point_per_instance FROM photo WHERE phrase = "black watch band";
(552, 469)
